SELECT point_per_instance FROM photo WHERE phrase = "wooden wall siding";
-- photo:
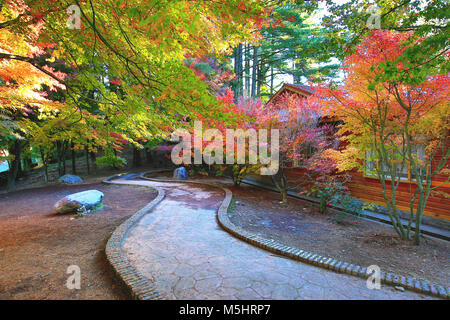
(370, 190)
(437, 158)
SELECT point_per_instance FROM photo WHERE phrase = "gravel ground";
(37, 246)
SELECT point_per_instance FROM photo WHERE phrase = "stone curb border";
(305, 256)
(139, 286)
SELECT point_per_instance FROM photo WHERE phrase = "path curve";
(179, 248)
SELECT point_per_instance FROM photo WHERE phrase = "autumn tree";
(127, 59)
(351, 22)
(143, 44)
(225, 143)
(395, 128)
(304, 141)
(244, 135)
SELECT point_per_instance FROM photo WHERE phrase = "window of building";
(402, 171)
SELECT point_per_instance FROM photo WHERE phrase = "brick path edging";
(305, 256)
(139, 286)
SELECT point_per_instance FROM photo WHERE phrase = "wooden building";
(368, 188)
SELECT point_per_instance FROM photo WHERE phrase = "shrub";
(112, 160)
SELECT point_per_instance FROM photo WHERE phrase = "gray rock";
(70, 179)
(399, 288)
(180, 174)
(80, 201)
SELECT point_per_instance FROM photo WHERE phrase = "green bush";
(111, 160)
(348, 204)
(338, 195)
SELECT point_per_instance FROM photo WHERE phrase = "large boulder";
(70, 179)
(180, 174)
(81, 201)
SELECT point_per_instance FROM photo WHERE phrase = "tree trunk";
(64, 162)
(58, 148)
(74, 166)
(284, 198)
(261, 77)
(148, 156)
(15, 150)
(238, 70)
(294, 75)
(45, 164)
(27, 164)
(87, 161)
(254, 71)
(45, 173)
(20, 170)
(62, 150)
(93, 159)
(417, 231)
(271, 73)
(236, 174)
(247, 70)
(271, 80)
(61, 158)
(137, 161)
(419, 213)
(115, 155)
(282, 185)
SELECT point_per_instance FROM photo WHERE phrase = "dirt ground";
(299, 224)
(37, 246)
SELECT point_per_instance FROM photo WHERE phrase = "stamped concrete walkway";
(180, 246)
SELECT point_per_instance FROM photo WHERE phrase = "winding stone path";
(180, 247)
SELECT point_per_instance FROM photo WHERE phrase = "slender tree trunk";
(61, 149)
(239, 71)
(236, 62)
(282, 185)
(46, 173)
(137, 161)
(20, 170)
(271, 73)
(59, 156)
(237, 175)
(115, 155)
(236, 71)
(284, 198)
(271, 80)
(45, 159)
(297, 68)
(260, 79)
(58, 147)
(247, 70)
(419, 214)
(294, 68)
(254, 71)
(74, 166)
(87, 161)
(14, 165)
(148, 156)
(417, 230)
(93, 159)
(64, 163)
(28, 162)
